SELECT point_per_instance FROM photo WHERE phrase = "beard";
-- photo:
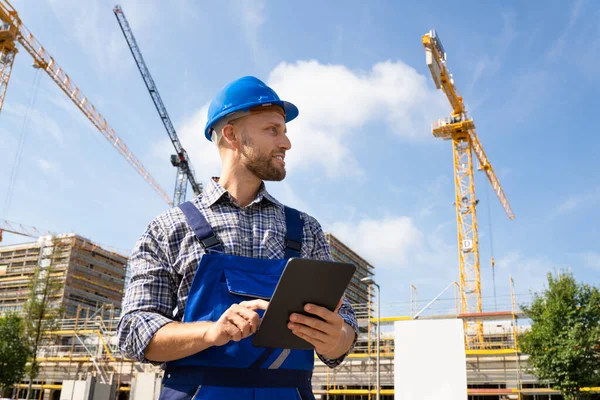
(261, 165)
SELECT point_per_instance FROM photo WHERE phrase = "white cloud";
(591, 259)
(96, 29)
(488, 65)
(576, 201)
(46, 166)
(8, 142)
(336, 103)
(284, 193)
(385, 243)
(527, 271)
(251, 13)
(37, 122)
(555, 52)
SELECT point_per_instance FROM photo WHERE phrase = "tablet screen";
(303, 281)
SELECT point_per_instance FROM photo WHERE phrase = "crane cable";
(487, 192)
(26, 120)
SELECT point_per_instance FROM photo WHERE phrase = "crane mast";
(8, 51)
(12, 30)
(181, 161)
(460, 129)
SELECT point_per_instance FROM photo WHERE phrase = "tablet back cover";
(303, 281)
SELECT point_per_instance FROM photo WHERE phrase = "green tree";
(42, 309)
(13, 352)
(564, 341)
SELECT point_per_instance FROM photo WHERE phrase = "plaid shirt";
(165, 258)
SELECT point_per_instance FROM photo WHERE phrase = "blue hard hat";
(241, 95)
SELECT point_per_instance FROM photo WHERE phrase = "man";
(201, 271)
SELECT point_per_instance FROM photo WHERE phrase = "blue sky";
(363, 159)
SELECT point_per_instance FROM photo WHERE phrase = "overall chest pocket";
(250, 284)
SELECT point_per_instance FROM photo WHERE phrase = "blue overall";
(237, 370)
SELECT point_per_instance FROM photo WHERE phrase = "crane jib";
(184, 166)
(18, 32)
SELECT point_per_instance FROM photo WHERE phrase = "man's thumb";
(339, 304)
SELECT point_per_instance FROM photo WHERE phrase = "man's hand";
(328, 336)
(238, 322)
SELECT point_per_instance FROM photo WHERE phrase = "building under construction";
(358, 292)
(82, 355)
(93, 278)
(90, 275)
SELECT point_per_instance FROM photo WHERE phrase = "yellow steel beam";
(93, 282)
(391, 319)
(72, 332)
(490, 352)
(360, 391)
(38, 386)
(365, 355)
(15, 278)
(469, 391)
(106, 349)
(59, 359)
(497, 352)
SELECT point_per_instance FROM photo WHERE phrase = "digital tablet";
(303, 281)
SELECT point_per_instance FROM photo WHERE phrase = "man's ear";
(231, 136)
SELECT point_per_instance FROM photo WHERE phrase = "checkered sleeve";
(321, 251)
(150, 296)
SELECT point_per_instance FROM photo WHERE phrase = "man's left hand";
(325, 335)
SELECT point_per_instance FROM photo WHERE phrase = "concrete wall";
(146, 386)
(90, 389)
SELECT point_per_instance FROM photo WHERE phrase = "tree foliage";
(564, 341)
(13, 351)
(42, 309)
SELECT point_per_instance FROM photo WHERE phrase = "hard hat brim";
(290, 110)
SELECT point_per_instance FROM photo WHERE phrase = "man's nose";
(285, 143)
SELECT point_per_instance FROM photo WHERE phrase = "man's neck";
(242, 185)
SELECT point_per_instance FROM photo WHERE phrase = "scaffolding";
(496, 369)
(79, 347)
(87, 345)
(91, 275)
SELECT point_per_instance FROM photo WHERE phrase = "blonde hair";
(217, 129)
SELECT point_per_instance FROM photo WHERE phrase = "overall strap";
(201, 227)
(293, 237)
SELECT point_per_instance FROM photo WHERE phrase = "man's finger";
(258, 304)
(233, 331)
(315, 342)
(241, 323)
(310, 332)
(314, 323)
(246, 313)
(320, 311)
(339, 305)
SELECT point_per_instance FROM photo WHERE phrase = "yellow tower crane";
(461, 130)
(12, 31)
